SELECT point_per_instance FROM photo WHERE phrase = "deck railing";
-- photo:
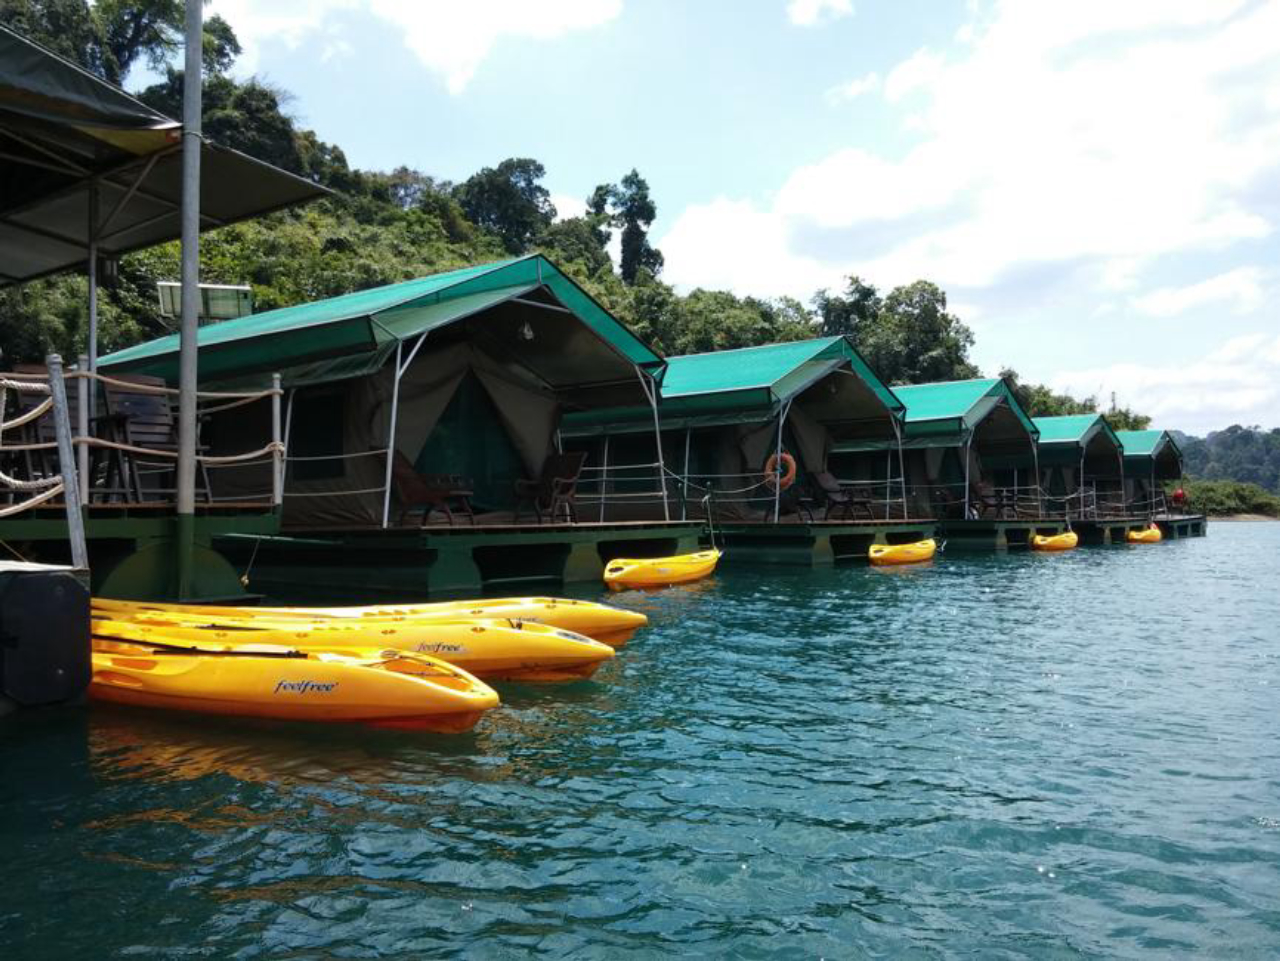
(114, 470)
(50, 484)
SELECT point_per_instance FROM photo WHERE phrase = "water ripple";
(989, 756)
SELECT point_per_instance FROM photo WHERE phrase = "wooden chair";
(840, 502)
(555, 490)
(428, 492)
(143, 418)
(106, 467)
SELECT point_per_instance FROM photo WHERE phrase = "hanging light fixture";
(526, 332)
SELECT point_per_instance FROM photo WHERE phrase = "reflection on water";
(988, 755)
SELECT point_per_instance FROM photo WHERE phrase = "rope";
(170, 391)
(36, 412)
(380, 452)
(29, 485)
(30, 385)
(128, 448)
(368, 490)
(275, 447)
(33, 502)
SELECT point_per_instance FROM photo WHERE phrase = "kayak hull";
(1050, 543)
(1149, 535)
(892, 555)
(625, 573)
(492, 650)
(602, 622)
(400, 691)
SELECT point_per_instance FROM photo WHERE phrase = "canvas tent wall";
(720, 416)
(1081, 465)
(960, 437)
(391, 362)
(1150, 457)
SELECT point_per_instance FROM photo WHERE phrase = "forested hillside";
(1247, 454)
(380, 227)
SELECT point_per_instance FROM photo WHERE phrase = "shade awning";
(67, 138)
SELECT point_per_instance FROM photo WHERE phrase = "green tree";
(634, 211)
(509, 201)
(850, 313)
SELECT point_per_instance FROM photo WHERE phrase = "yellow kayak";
(603, 622)
(1066, 541)
(883, 555)
(388, 689)
(624, 572)
(494, 650)
(1149, 535)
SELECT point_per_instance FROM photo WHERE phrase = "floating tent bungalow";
(723, 414)
(970, 459)
(1150, 457)
(454, 384)
(726, 417)
(1081, 466)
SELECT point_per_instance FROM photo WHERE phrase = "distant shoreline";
(1242, 517)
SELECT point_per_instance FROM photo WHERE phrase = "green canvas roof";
(957, 406)
(744, 385)
(353, 334)
(1074, 429)
(943, 414)
(1151, 451)
(1145, 443)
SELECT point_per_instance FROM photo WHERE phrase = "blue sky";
(1096, 185)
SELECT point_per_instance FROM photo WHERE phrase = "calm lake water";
(1045, 756)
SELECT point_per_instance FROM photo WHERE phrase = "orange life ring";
(771, 478)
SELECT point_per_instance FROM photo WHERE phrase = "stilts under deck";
(411, 562)
(814, 543)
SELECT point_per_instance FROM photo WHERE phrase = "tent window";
(316, 431)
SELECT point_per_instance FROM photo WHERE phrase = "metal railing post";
(67, 463)
(391, 440)
(88, 389)
(278, 454)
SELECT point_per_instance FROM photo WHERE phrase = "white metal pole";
(93, 279)
(391, 439)
(87, 389)
(777, 463)
(968, 456)
(902, 464)
(278, 455)
(684, 500)
(189, 331)
(651, 393)
(604, 476)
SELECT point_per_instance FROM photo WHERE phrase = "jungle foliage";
(381, 227)
(1248, 454)
(1218, 498)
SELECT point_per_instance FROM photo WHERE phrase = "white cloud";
(808, 13)
(1239, 383)
(1094, 134)
(917, 72)
(450, 39)
(567, 206)
(844, 92)
(1241, 287)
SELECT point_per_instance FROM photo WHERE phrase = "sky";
(1096, 185)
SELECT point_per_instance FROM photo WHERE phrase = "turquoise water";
(1045, 756)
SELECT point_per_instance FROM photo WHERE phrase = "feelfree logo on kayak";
(440, 647)
(305, 687)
